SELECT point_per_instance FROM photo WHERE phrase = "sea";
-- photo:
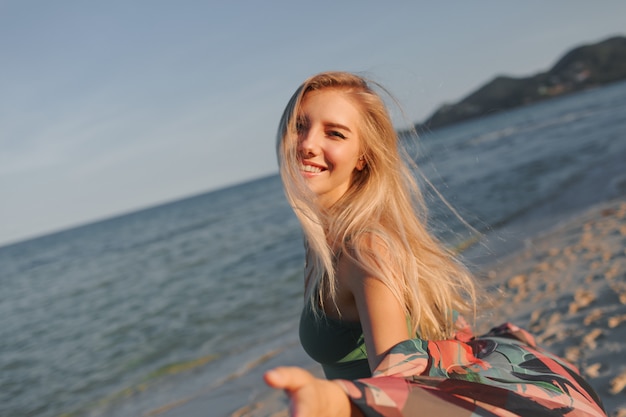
(187, 303)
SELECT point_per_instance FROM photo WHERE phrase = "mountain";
(583, 67)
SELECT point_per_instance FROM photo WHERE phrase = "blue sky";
(108, 107)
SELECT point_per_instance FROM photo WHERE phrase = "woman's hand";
(310, 396)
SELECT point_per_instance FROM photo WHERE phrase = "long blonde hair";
(380, 222)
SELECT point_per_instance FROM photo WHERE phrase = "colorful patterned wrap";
(502, 373)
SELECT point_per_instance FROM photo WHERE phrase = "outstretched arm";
(310, 396)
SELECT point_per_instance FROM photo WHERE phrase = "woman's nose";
(309, 142)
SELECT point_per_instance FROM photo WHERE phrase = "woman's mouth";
(311, 168)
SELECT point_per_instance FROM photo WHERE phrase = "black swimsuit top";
(337, 345)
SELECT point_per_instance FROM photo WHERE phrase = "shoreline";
(566, 285)
(603, 182)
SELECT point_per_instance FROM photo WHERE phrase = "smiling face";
(329, 146)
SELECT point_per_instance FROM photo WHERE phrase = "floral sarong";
(502, 373)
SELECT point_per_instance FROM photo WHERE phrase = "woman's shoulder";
(356, 261)
(370, 241)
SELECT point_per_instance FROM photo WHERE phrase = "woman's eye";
(336, 134)
(300, 128)
(301, 124)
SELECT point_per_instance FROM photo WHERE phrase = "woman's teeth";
(311, 168)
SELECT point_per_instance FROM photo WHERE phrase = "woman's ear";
(360, 164)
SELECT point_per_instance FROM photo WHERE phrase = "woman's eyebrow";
(338, 126)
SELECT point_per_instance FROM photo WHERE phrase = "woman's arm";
(381, 315)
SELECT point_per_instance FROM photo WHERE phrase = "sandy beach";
(558, 269)
(568, 287)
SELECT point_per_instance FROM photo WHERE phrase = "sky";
(107, 107)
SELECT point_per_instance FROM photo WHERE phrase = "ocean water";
(139, 313)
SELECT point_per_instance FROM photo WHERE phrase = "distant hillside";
(582, 67)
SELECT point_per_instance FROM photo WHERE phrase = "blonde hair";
(380, 222)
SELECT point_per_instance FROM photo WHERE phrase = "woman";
(384, 298)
